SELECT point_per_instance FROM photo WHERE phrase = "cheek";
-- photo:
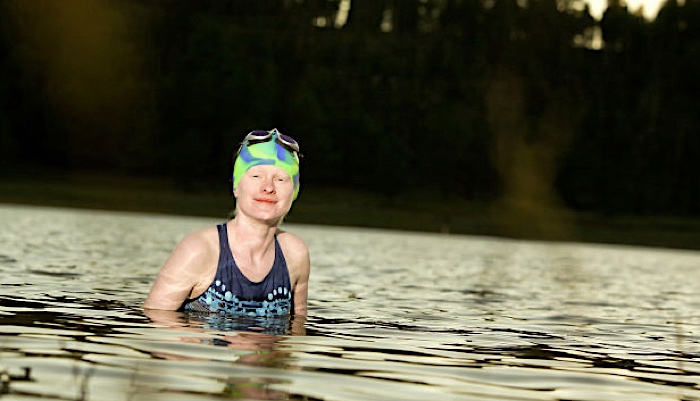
(288, 187)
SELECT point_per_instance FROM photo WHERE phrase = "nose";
(268, 186)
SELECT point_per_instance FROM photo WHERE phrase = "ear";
(235, 192)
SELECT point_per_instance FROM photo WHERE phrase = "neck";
(250, 233)
(252, 243)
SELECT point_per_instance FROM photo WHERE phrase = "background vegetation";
(532, 109)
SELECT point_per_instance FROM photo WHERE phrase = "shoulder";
(199, 242)
(197, 247)
(296, 253)
(292, 246)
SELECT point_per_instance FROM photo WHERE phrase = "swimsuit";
(232, 293)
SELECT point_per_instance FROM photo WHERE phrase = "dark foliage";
(467, 98)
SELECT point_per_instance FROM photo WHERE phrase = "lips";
(266, 200)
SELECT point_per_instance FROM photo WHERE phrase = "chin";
(271, 218)
(273, 221)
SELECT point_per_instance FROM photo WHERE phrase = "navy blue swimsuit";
(232, 293)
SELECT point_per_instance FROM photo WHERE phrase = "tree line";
(474, 99)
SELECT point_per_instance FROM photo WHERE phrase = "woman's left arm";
(299, 264)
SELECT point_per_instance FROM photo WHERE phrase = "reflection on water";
(392, 316)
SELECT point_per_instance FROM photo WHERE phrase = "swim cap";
(270, 153)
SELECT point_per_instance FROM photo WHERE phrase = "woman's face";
(264, 193)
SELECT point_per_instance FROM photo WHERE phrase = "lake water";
(392, 316)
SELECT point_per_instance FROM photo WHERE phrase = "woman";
(246, 266)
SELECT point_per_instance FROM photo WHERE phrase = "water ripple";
(393, 316)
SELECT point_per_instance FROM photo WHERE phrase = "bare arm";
(299, 263)
(301, 294)
(180, 274)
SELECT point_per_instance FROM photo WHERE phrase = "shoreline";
(342, 207)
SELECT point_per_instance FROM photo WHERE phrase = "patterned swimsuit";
(231, 293)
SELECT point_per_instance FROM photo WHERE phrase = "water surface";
(392, 316)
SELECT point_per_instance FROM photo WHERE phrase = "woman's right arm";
(180, 274)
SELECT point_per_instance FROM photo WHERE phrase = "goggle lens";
(289, 141)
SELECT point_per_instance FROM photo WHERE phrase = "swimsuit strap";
(224, 248)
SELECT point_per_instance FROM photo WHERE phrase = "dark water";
(393, 316)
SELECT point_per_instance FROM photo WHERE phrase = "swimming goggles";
(286, 141)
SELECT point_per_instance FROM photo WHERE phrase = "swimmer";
(246, 266)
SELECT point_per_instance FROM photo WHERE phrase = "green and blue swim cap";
(269, 148)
